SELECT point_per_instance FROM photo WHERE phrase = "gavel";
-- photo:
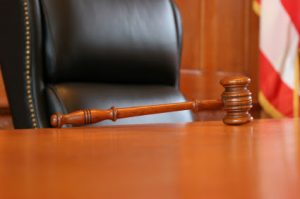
(236, 101)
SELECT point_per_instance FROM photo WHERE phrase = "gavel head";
(237, 100)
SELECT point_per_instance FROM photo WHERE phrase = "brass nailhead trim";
(27, 63)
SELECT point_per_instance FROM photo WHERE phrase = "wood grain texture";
(220, 39)
(3, 99)
(192, 160)
(191, 17)
(5, 114)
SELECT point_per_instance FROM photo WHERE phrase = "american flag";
(279, 56)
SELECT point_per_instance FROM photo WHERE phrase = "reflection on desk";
(194, 160)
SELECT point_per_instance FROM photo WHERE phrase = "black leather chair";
(65, 55)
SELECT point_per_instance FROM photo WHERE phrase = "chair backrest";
(63, 55)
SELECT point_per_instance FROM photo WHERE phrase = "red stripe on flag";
(293, 9)
(274, 89)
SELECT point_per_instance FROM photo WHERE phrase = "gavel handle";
(88, 116)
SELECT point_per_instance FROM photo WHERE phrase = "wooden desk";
(196, 160)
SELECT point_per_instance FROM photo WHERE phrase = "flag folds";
(279, 56)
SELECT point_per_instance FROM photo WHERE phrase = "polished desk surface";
(162, 161)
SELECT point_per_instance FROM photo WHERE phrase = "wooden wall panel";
(191, 16)
(3, 98)
(224, 40)
(5, 116)
(221, 39)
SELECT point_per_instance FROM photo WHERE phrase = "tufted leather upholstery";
(65, 55)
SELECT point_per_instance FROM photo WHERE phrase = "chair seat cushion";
(68, 97)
